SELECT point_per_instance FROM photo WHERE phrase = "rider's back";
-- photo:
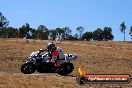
(60, 53)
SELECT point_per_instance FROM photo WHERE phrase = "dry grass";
(96, 60)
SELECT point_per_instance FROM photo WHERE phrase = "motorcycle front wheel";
(28, 68)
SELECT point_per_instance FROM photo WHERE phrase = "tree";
(53, 34)
(9, 32)
(107, 34)
(42, 32)
(97, 34)
(71, 37)
(12, 32)
(60, 33)
(123, 28)
(25, 31)
(3, 32)
(130, 32)
(76, 36)
(87, 35)
(43, 28)
(33, 34)
(3, 21)
(67, 33)
(80, 29)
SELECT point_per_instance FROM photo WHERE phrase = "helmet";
(51, 47)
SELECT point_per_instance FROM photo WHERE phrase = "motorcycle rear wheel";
(65, 69)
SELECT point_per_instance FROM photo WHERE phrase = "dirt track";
(95, 59)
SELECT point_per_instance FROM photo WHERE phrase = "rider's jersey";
(57, 54)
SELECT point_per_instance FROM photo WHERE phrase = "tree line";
(42, 32)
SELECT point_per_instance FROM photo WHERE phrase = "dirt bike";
(43, 64)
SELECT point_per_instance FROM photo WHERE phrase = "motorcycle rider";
(56, 52)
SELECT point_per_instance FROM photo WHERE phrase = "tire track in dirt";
(101, 46)
(14, 73)
(89, 45)
(34, 74)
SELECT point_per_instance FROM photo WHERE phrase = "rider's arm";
(44, 49)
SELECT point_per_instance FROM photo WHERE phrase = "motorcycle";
(42, 63)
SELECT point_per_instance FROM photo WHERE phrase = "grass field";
(112, 58)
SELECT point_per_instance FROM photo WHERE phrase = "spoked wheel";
(28, 68)
(65, 69)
